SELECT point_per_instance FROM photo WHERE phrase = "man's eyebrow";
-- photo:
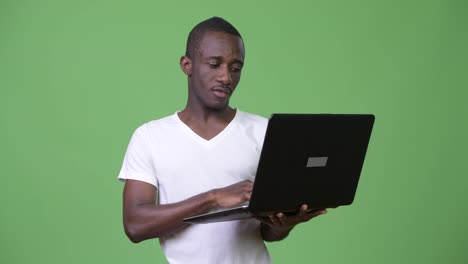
(220, 58)
(239, 61)
(214, 58)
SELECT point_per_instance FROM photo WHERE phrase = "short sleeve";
(138, 162)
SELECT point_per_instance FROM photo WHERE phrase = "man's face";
(216, 70)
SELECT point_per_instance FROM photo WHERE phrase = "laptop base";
(238, 213)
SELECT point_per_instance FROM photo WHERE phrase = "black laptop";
(313, 159)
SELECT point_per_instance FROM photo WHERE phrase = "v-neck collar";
(213, 141)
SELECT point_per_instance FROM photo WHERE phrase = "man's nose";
(225, 75)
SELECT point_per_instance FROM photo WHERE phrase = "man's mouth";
(222, 91)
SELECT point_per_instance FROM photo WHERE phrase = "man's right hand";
(234, 194)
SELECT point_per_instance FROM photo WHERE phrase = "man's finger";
(281, 218)
(314, 214)
(264, 220)
(275, 220)
(303, 210)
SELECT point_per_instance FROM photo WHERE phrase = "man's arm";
(144, 219)
(277, 227)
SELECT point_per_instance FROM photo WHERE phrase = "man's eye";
(236, 69)
(213, 64)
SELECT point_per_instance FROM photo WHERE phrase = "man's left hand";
(279, 225)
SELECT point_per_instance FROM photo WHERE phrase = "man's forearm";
(145, 221)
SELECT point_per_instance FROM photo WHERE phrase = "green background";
(77, 77)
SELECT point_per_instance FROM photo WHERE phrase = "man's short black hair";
(214, 24)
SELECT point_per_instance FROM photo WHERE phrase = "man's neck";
(207, 124)
(206, 116)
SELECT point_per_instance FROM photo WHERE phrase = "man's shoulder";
(247, 117)
(163, 123)
(169, 120)
(253, 123)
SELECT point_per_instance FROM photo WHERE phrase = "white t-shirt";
(169, 155)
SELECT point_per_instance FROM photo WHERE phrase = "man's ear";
(186, 65)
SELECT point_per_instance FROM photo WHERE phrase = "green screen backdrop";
(77, 77)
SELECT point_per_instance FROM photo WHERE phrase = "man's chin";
(219, 106)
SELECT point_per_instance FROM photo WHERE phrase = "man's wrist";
(281, 230)
(272, 233)
(212, 197)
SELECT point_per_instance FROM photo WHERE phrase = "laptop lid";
(313, 159)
